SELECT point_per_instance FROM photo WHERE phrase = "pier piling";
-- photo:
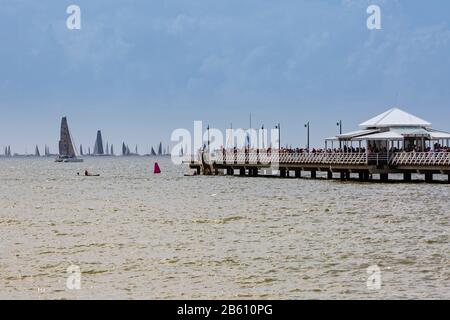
(384, 177)
(329, 175)
(313, 175)
(407, 176)
(428, 177)
(298, 173)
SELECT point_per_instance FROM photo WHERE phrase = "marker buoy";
(156, 169)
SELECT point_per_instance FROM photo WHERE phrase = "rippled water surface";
(139, 235)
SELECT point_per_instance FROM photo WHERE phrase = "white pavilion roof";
(437, 135)
(388, 135)
(395, 118)
(354, 134)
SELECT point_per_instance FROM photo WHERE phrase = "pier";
(333, 165)
(391, 145)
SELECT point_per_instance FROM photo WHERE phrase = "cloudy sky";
(139, 69)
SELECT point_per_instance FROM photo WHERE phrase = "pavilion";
(395, 130)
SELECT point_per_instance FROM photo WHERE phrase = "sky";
(139, 69)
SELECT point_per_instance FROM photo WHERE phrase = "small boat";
(66, 149)
(68, 159)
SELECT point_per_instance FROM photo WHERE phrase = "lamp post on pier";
(339, 124)
(279, 135)
(262, 135)
(208, 136)
(307, 136)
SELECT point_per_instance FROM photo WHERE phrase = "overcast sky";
(139, 69)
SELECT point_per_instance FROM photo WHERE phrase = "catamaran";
(66, 149)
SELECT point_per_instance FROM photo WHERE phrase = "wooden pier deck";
(365, 166)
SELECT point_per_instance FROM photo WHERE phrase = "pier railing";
(275, 158)
(242, 158)
(421, 159)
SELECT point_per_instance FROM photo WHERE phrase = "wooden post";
(329, 175)
(428, 177)
(313, 175)
(242, 172)
(298, 173)
(384, 177)
(343, 175)
(407, 176)
(283, 172)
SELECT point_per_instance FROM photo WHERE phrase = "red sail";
(156, 169)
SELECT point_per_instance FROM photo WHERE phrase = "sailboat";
(98, 147)
(160, 149)
(66, 149)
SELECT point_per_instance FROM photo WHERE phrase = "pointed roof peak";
(395, 117)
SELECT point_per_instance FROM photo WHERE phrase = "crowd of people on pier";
(343, 149)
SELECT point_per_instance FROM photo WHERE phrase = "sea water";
(133, 234)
